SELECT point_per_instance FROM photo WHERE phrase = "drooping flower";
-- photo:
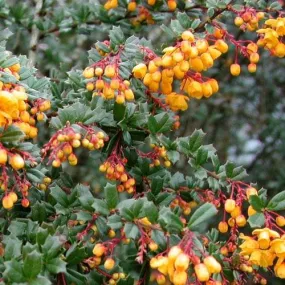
(264, 236)
(8, 108)
(249, 245)
(177, 102)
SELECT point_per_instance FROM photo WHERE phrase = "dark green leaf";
(111, 195)
(32, 264)
(201, 215)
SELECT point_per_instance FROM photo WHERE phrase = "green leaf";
(115, 222)
(35, 175)
(75, 254)
(111, 195)
(201, 215)
(40, 280)
(235, 173)
(32, 264)
(12, 248)
(116, 36)
(156, 185)
(256, 203)
(75, 277)
(11, 135)
(191, 144)
(56, 265)
(177, 180)
(184, 20)
(201, 173)
(131, 230)
(277, 203)
(101, 207)
(150, 211)
(52, 246)
(160, 123)
(195, 24)
(39, 212)
(41, 236)
(13, 271)
(201, 156)
(119, 111)
(59, 195)
(257, 220)
(170, 221)
(17, 228)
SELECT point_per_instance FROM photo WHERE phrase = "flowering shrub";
(150, 224)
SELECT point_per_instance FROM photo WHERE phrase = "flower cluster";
(159, 156)
(12, 181)
(143, 15)
(263, 248)
(101, 253)
(248, 19)
(111, 4)
(104, 80)
(64, 142)
(185, 206)
(132, 5)
(15, 108)
(271, 36)
(115, 170)
(170, 3)
(175, 265)
(234, 208)
(185, 61)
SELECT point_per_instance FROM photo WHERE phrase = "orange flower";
(8, 108)
(177, 101)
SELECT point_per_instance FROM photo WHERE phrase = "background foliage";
(244, 121)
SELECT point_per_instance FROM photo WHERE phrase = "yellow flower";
(279, 270)
(8, 108)
(249, 245)
(177, 101)
(264, 236)
(278, 247)
(263, 258)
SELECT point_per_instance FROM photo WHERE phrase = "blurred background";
(245, 121)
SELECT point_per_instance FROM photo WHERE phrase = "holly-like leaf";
(32, 264)
(131, 230)
(13, 271)
(256, 203)
(111, 195)
(257, 220)
(11, 135)
(201, 215)
(56, 265)
(277, 203)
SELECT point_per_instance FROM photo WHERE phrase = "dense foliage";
(104, 178)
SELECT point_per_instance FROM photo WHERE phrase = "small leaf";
(111, 195)
(277, 203)
(11, 135)
(202, 214)
(56, 266)
(32, 264)
(131, 230)
(101, 207)
(156, 185)
(13, 271)
(257, 220)
(75, 254)
(256, 203)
